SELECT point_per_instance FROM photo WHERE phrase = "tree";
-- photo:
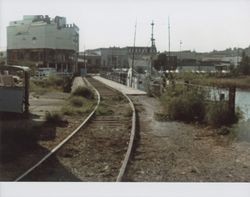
(165, 62)
(160, 62)
(244, 67)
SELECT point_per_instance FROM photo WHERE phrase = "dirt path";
(173, 151)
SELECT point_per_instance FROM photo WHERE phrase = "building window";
(34, 40)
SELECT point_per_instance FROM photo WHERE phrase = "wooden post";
(26, 91)
(231, 101)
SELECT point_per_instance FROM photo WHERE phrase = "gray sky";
(202, 25)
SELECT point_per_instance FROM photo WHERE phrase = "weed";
(159, 116)
(84, 92)
(77, 101)
(128, 112)
(104, 110)
(53, 117)
(118, 98)
(77, 105)
(184, 104)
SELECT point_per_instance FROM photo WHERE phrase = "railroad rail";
(110, 122)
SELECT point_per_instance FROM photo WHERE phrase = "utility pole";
(133, 57)
(169, 43)
(85, 63)
(180, 54)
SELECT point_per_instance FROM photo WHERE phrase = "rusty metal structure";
(14, 89)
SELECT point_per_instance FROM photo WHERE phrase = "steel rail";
(124, 165)
(64, 141)
(131, 142)
(130, 145)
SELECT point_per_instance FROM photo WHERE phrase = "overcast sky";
(202, 25)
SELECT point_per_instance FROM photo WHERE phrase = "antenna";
(152, 36)
(168, 37)
(152, 48)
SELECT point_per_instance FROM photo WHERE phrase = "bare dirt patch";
(24, 141)
(174, 151)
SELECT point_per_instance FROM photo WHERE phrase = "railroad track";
(98, 150)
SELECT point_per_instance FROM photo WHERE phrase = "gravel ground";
(23, 154)
(178, 152)
(96, 152)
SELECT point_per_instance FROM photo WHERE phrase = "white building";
(43, 41)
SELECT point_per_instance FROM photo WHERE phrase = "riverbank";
(241, 81)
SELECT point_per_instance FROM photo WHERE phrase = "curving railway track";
(98, 150)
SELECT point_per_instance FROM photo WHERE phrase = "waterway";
(242, 101)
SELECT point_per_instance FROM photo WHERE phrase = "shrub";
(84, 92)
(218, 114)
(77, 101)
(53, 117)
(77, 105)
(67, 84)
(184, 104)
(68, 110)
(41, 86)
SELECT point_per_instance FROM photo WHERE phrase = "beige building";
(43, 41)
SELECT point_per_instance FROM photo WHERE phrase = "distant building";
(117, 58)
(90, 59)
(3, 57)
(208, 62)
(44, 42)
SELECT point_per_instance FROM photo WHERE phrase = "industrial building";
(41, 41)
(117, 58)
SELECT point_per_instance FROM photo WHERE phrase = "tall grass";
(51, 83)
(218, 114)
(77, 105)
(84, 92)
(53, 117)
(184, 104)
(190, 104)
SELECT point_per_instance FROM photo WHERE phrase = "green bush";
(84, 92)
(218, 114)
(191, 104)
(184, 104)
(77, 105)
